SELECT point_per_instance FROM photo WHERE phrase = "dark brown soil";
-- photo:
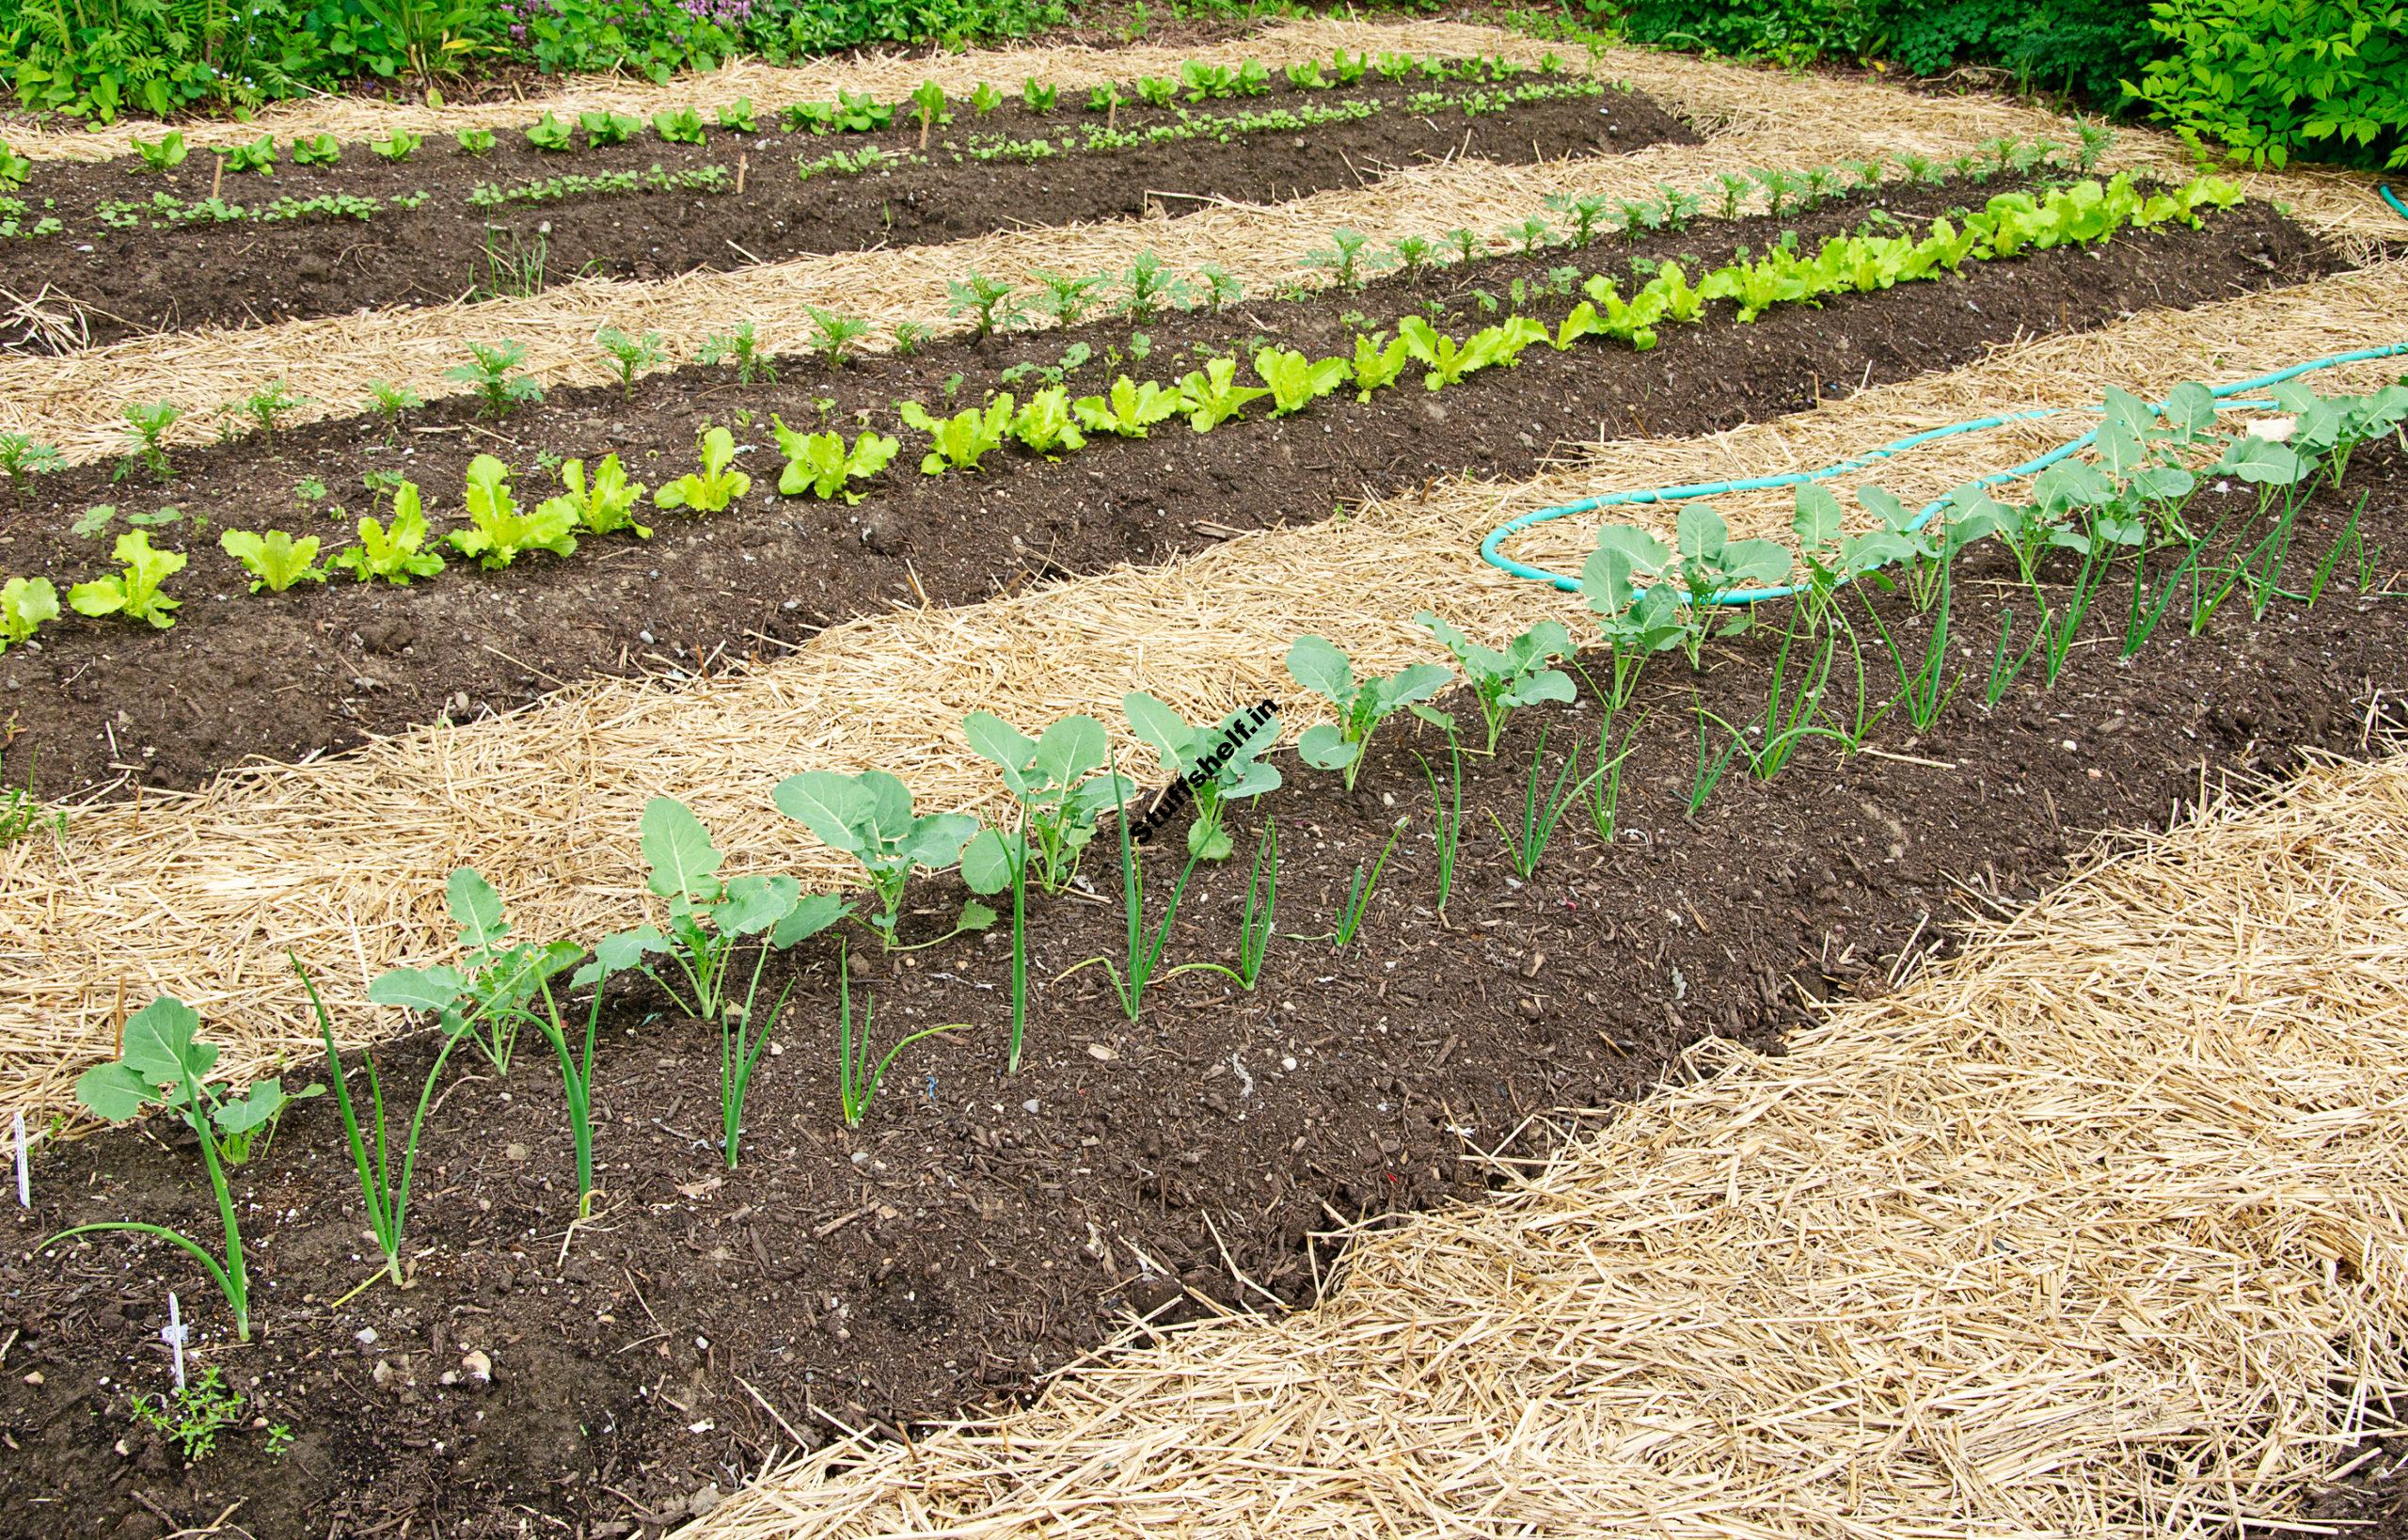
(316, 668)
(130, 281)
(2373, 1499)
(981, 1229)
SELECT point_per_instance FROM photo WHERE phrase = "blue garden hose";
(2224, 394)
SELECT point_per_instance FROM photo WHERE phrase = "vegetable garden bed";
(129, 249)
(979, 1227)
(317, 667)
(1099, 1051)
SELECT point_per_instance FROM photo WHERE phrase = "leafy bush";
(1791, 31)
(2270, 81)
(101, 57)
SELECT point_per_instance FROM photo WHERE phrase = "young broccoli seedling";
(1319, 666)
(495, 377)
(741, 348)
(150, 422)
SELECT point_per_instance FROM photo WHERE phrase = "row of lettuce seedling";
(165, 211)
(1146, 289)
(2133, 503)
(1052, 423)
(849, 112)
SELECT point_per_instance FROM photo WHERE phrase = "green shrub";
(1793, 32)
(2088, 47)
(2271, 81)
(100, 58)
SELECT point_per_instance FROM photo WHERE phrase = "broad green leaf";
(1315, 663)
(1072, 748)
(1414, 682)
(1755, 563)
(160, 1046)
(987, 862)
(936, 841)
(2261, 462)
(838, 810)
(1545, 685)
(755, 903)
(418, 989)
(114, 1091)
(1325, 748)
(1003, 745)
(811, 914)
(1819, 520)
(889, 803)
(476, 909)
(616, 954)
(2190, 410)
(1642, 553)
(679, 850)
(1165, 730)
(259, 1106)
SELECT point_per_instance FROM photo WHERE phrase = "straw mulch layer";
(2096, 1230)
(200, 895)
(74, 402)
(118, 283)
(103, 703)
(887, 76)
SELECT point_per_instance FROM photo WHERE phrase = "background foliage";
(101, 57)
(2266, 81)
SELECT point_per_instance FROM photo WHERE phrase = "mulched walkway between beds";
(980, 1228)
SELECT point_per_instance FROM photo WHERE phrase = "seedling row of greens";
(1163, 109)
(2174, 517)
(600, 499)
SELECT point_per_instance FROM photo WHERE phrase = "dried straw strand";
(73, 400)
(344, 860)
(2095, 1230)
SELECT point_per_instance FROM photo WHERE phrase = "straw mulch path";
(74, 401)
(886, 75)
(2098, 1230)
(344, 861)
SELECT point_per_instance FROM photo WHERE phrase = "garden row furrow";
(315, 228)
(1156, 1140)
(76, 402)
(359, 119)
(545, 802)
(875, 508)
(2038, 1156)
